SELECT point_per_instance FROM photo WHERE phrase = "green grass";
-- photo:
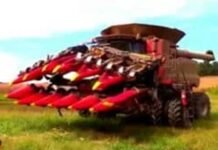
(25, 128)
(213, 91)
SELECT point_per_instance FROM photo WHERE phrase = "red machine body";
(131, 69)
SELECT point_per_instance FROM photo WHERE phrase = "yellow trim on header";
(25, 77)
(56, 69)
(96, 85)
(108, 104)
(74, 76)
(44, 68)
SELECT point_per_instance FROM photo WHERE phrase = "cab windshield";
(127, 45)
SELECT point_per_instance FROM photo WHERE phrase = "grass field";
(25, 128)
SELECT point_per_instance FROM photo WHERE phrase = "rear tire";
(201, 105)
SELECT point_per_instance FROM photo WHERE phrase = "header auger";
(130, 70)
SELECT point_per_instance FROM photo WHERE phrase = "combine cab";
(131, 70)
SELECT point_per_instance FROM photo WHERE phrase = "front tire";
(156, 112)
(178, 115)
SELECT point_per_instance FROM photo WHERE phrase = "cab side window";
(138, 47)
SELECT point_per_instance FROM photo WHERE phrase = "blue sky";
(29, 30)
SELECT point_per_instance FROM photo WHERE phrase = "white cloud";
(36, 18)
(9, 65)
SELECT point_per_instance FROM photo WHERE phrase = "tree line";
(206, 68)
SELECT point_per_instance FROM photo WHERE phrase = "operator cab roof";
(136, 31)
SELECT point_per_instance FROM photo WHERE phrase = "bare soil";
(208, 82)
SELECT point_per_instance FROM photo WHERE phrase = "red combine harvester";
(131, 70)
